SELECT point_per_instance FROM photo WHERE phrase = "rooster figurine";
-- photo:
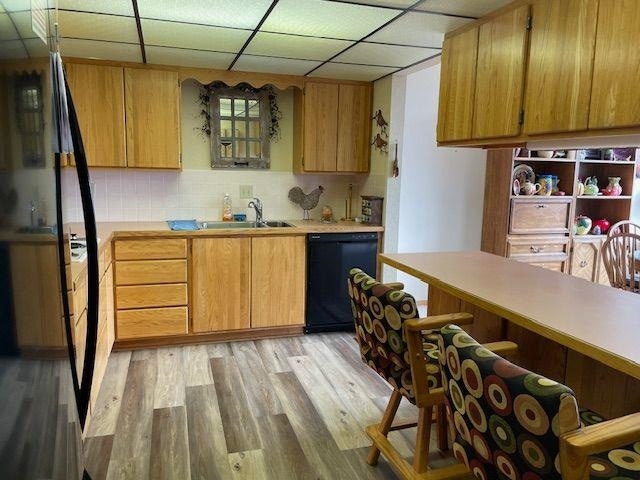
(306, 201)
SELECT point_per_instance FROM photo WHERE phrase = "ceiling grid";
(345, 39)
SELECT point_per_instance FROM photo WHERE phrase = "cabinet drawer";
(536, 246)
(141, 296)
(544, 215)
(152, 322)
(156, 249)
(140, 272)
(556, 262)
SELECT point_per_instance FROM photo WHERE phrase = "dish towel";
(183, 225)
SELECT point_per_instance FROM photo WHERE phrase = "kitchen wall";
(438, 197)
(197, 191)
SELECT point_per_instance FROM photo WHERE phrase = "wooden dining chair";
(621, 258)
(511, 423)
(394, 343)
(623, 226)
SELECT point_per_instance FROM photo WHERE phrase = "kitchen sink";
(221, 225)
(275, 224)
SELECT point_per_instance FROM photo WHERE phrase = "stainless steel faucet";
(33, 210)
(256, 204)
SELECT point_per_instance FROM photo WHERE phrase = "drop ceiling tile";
(114, 7)
(94, 26)
(292, 46)
(7, 30)
(346, 71)
(418, 29)
(198, 37)
(22, 21)
(399, 4)
(389, 55)
(36, 47)
(252, 63)
(16, 5)
(223, 13)
(469, 8)
(11, 49)
(326, 19)
(189, 58)
(123, 52)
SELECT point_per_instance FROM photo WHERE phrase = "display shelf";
(604, 197)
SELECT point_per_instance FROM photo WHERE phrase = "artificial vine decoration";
(204, 97)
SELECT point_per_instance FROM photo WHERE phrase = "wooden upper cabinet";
(221, 283)
(502, 49)
(457, 86)
(615, 98)
(560, 65)
(354, 127)
(98, 96)
(153, 118)
(320, 127)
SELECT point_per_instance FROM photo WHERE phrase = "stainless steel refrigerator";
(43, 400)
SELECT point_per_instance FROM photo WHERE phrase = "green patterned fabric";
(504, 418)
(379, 312)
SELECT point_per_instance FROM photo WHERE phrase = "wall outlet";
(246, 191)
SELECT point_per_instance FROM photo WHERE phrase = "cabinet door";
(457, 86)
(584, 260)
(320, 127)
(354, 126)
(615, 96)
(500, 75)
(560, 65)
(277, 281)
(153, 118)
(98, 95)
(221, 285)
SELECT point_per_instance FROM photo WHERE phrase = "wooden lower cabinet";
(551, 252)
(586, 259)
(221, 283)
(152, 322)
(277, 281)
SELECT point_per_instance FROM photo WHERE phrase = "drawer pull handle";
(541, 205)
(535, 249)
(583, 263)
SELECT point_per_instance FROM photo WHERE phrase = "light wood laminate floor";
(287, 408)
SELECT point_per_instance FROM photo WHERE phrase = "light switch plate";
(246, 191)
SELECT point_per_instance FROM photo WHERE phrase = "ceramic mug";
(529, 188)
(546, 185)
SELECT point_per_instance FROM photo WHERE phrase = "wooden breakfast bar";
(582, 334)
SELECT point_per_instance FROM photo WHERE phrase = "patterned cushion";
(620, 463)
(505, 418)
(379, 312)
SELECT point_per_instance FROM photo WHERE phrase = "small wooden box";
(372, 210)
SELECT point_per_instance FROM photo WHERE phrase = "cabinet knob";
(535, 249)
(541, 205)
(583, 263)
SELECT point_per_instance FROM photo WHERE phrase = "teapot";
(529, 188)
(591, 186)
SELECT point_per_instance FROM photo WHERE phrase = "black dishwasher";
(330, 256)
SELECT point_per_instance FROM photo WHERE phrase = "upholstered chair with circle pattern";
(510, 423)
(408, 363)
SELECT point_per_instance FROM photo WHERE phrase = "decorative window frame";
(235, 161)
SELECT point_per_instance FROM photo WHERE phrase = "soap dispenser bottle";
(227, 211)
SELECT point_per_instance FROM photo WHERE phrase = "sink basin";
(221, 225)
(275, 224)
(36, 230)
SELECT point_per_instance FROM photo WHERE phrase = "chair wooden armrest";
(395, 285)
(576, 446)
(501, 348)
(437, 321)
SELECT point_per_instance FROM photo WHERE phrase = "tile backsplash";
(151, 195)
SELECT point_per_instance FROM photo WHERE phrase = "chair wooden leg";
(421, 458)
(443, 430)
(385, 424)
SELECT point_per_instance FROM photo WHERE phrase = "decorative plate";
(522, 173)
